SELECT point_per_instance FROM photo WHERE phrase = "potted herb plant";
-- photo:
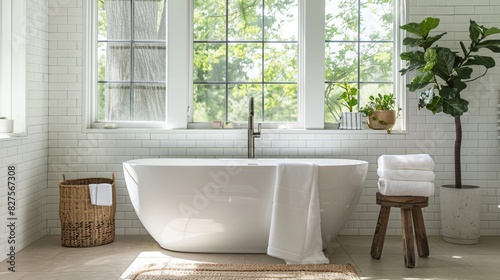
(6, 125)
(441, 77)
(381, 112)
(349, 99)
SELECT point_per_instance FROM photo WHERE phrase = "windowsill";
(12, 136)
(239, 129)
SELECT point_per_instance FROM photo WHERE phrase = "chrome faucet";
(251, 134)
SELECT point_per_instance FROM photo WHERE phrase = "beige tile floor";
(47, 259)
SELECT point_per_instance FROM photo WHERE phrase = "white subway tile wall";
(55, 57)
(29, 154)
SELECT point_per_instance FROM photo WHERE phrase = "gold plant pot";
(381, 119)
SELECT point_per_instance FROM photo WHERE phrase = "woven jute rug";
(244, 271)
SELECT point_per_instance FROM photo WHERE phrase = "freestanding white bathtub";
(224, 205)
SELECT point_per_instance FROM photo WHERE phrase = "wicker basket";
(84, 224)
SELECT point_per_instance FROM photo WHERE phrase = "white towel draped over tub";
(295, 234)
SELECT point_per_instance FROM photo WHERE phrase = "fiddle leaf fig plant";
(443, 74)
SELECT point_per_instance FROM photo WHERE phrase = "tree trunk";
(458, 145)
(139, 66)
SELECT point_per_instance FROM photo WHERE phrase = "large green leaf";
(430, 58)
(415, 61)
(411, 67)
(455, 107)
(458, 84)
(448, 93)
(491, 31)
(427, 25)
(420, 42)
(464, 72)
(485, 61)
(463, 48)
(445, 59)
(430, 55)
(413, 28)
(413, 55)
(492, 45)
(435, 105)
(429, 100)
(412, 42)
(427, 43)
(474, 31)
(421, 80)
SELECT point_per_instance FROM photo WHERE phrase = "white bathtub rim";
(242, 161)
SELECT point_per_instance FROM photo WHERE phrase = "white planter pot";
(350, 120)
(6, 126)
(460, 214)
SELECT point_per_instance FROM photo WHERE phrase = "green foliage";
(370, 62)
(446, 71)
(278, 95)
(229, 69)
(348, 97)
(380, 102)
(333, 106)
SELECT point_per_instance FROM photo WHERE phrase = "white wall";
(30, 153)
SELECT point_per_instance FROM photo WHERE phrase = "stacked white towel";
(406, 175)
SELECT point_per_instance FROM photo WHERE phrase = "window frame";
(398, 82)
(179, 107)
(133, 45)
(227, 82)
(13, 68)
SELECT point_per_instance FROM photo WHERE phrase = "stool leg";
(408, 247)
(380, 230)
(420, 234)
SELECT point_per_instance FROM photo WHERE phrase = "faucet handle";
(259, 127)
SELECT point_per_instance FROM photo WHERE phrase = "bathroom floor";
(47, 259)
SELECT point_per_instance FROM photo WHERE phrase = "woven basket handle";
(64, 178)
(113, 176)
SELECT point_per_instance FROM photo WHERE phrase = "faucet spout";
(251, 133)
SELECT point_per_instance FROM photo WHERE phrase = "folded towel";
(93, 193)
(406, 175)
(295, 233)
(412, 162)
(405, 188)
(104, 195)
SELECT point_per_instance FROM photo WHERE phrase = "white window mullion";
(400, 12)
(312, 66)
(178, 62)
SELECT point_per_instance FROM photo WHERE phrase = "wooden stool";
(410, 205)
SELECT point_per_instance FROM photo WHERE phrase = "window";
(169, 63)
(13, 66)
(131, 53)
(245, 48)
(359, 50)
